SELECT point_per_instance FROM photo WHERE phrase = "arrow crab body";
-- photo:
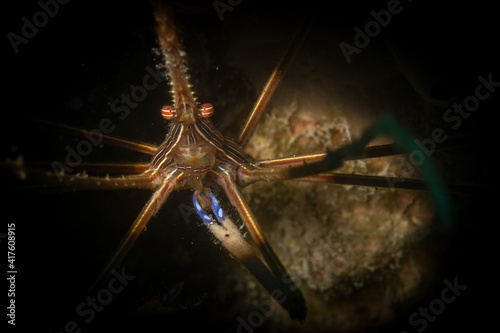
(196, 155)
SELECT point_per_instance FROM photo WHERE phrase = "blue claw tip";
(203, 215)
(216, 207)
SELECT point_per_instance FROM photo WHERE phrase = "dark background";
(90, 53)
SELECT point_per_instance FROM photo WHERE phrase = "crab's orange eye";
(168, 112)
(207, 110)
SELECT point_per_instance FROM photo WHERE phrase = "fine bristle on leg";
(149, 210)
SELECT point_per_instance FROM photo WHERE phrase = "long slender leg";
(231, 238)
(334, 159)
(47, 180)
(239, 203)
(297, 304)
(394, 183)
(319, 164)
(149, 210)
(142, 147)
(368, 152)
(283, 173)
(361, 180)
(277, 169)
(122, 168)
(272, 83)
(365, 180)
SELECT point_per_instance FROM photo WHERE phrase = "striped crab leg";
(295, 304)
(273, 82)
(61, 181)
(139, 146)
(159, 197)
(271, 274)
(334, 159)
